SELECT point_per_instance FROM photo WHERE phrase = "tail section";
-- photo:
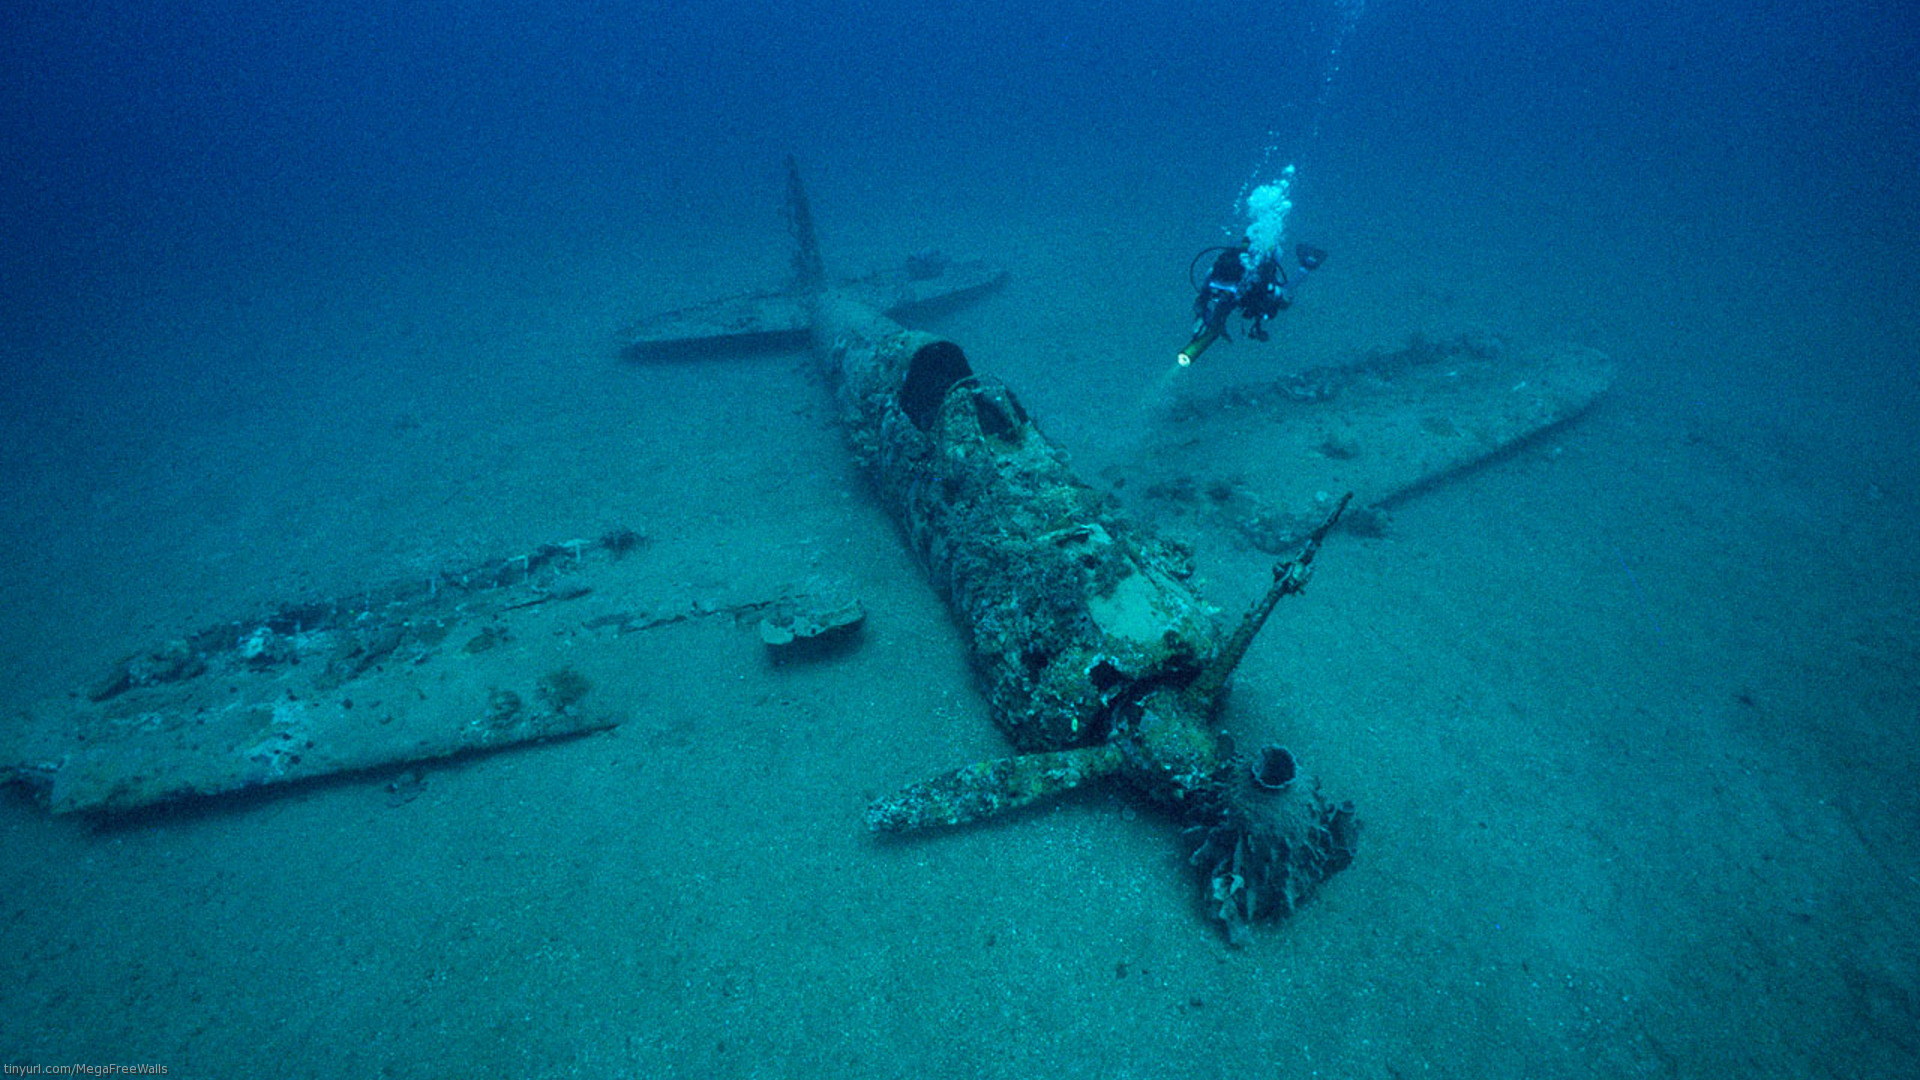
(809, 273)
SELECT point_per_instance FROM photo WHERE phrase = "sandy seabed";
(1630, 715)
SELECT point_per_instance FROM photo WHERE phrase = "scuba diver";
(1260, 287)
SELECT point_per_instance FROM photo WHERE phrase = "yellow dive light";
(1198, 345)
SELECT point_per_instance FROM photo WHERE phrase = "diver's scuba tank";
(1218, 298)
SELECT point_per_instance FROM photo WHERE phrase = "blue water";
(295, 298)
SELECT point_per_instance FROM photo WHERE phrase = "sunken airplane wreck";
(1100, 660)
(1098, 657)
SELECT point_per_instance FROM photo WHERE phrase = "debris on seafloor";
(810, 616)
(460, 662)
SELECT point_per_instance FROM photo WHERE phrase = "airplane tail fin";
(809, 272)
